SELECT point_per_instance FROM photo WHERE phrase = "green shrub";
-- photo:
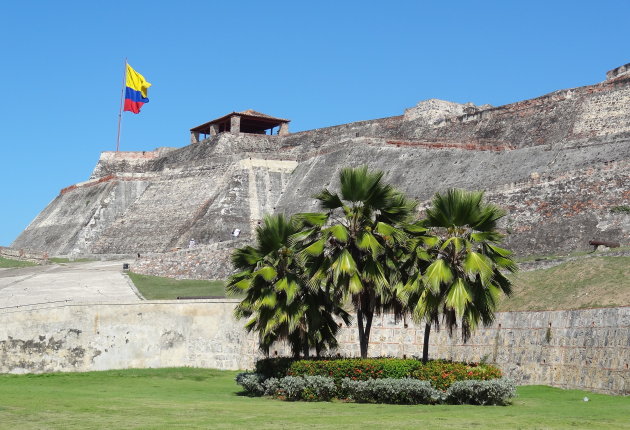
(403, 391)
(407, 391)
(442, 374)
(319, 389)
(276, 367)
(360, 369)
(309, 388)
(492, 392)
(252, 383)
(624, 209)
(290, 388)
(270, 386)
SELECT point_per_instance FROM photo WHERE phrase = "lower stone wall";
(587, 349)
(200, 262)
(24, 255)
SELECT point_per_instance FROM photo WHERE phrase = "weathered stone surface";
(201, 262)
(22, 255)
(587, 349)
(558, 163)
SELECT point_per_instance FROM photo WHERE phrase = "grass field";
(584, 283)
(157, 288)
(6, 263)
(200, 398)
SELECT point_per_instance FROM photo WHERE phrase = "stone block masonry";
(24, 255)
(585, 349)
(212, 261)
(574, 142)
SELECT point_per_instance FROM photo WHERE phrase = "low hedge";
(398, 391)
(440, 373)
(407, 391)
(277, 367)
(492, 392)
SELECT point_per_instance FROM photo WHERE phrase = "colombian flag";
(136, 91)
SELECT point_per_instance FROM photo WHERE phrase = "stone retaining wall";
(24, 255)
(587, 349)
(201, 262)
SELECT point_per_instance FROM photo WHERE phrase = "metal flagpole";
(122, 97)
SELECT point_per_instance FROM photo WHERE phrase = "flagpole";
(122, 97)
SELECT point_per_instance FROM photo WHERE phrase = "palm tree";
(350, 248)
(462, 278)
(277, 302)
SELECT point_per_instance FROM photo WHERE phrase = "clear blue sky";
(317, 63)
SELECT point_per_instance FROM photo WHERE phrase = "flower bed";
(440, 373)
(405, 391)
(378, 380)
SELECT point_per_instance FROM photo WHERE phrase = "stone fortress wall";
(558, 163)
(562, 158)
(586, 349)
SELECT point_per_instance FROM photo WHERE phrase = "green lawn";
(8, 263)
(199, 398)
(157, 288)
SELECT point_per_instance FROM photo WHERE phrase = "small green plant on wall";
(623, 209)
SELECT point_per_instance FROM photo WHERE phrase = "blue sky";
(317, 63)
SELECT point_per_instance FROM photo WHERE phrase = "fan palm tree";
(277, 303)
(461, 275)
(350, 248)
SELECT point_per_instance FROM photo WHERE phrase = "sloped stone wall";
(587, 349)
(205, 190)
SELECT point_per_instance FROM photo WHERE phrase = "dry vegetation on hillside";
(584, 283)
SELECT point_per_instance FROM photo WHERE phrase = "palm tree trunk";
(305, 349)
(361, 332)
(425, 345)
(364, 330)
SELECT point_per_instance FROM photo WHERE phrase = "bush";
(290, 388)
(274, 367)
(360, 369)
(252, 383)
(442, 374)
(319, 388)
(270, 386)
(492, 392)
(309, 388)
(404, 391)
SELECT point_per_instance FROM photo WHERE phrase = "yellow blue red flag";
(135, 91)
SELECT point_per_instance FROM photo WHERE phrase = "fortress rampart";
(559, 163)
(586, 349)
